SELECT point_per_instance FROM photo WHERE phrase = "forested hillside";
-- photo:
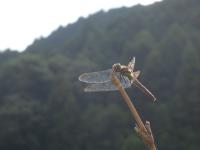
(42, 103)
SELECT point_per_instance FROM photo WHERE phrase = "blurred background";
(42, 103)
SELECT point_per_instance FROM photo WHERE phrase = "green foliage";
(42, 103)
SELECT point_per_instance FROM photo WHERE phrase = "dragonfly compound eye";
(116, 67)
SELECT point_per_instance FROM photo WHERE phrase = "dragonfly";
(101, 80)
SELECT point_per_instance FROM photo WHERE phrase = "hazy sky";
(21, 21)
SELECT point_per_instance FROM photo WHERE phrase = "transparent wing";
(131, 64)
(108, 86)
(96, 77)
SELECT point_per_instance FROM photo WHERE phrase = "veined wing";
(96, 77)
(131, 64)
(108, 86)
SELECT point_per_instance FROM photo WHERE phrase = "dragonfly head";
(116, 67)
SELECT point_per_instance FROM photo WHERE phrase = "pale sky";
(22, 21)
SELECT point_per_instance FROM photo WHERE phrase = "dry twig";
(144, 131)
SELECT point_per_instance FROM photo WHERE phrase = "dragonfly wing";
(96, 77)
(108, 86)
(125, 82)
(97, 87)
(131, 64)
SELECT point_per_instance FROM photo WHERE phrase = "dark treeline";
(42, 103)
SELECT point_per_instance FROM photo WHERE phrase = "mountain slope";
(43, 105)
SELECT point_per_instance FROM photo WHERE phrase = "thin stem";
(144, 131)
(128, 101)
